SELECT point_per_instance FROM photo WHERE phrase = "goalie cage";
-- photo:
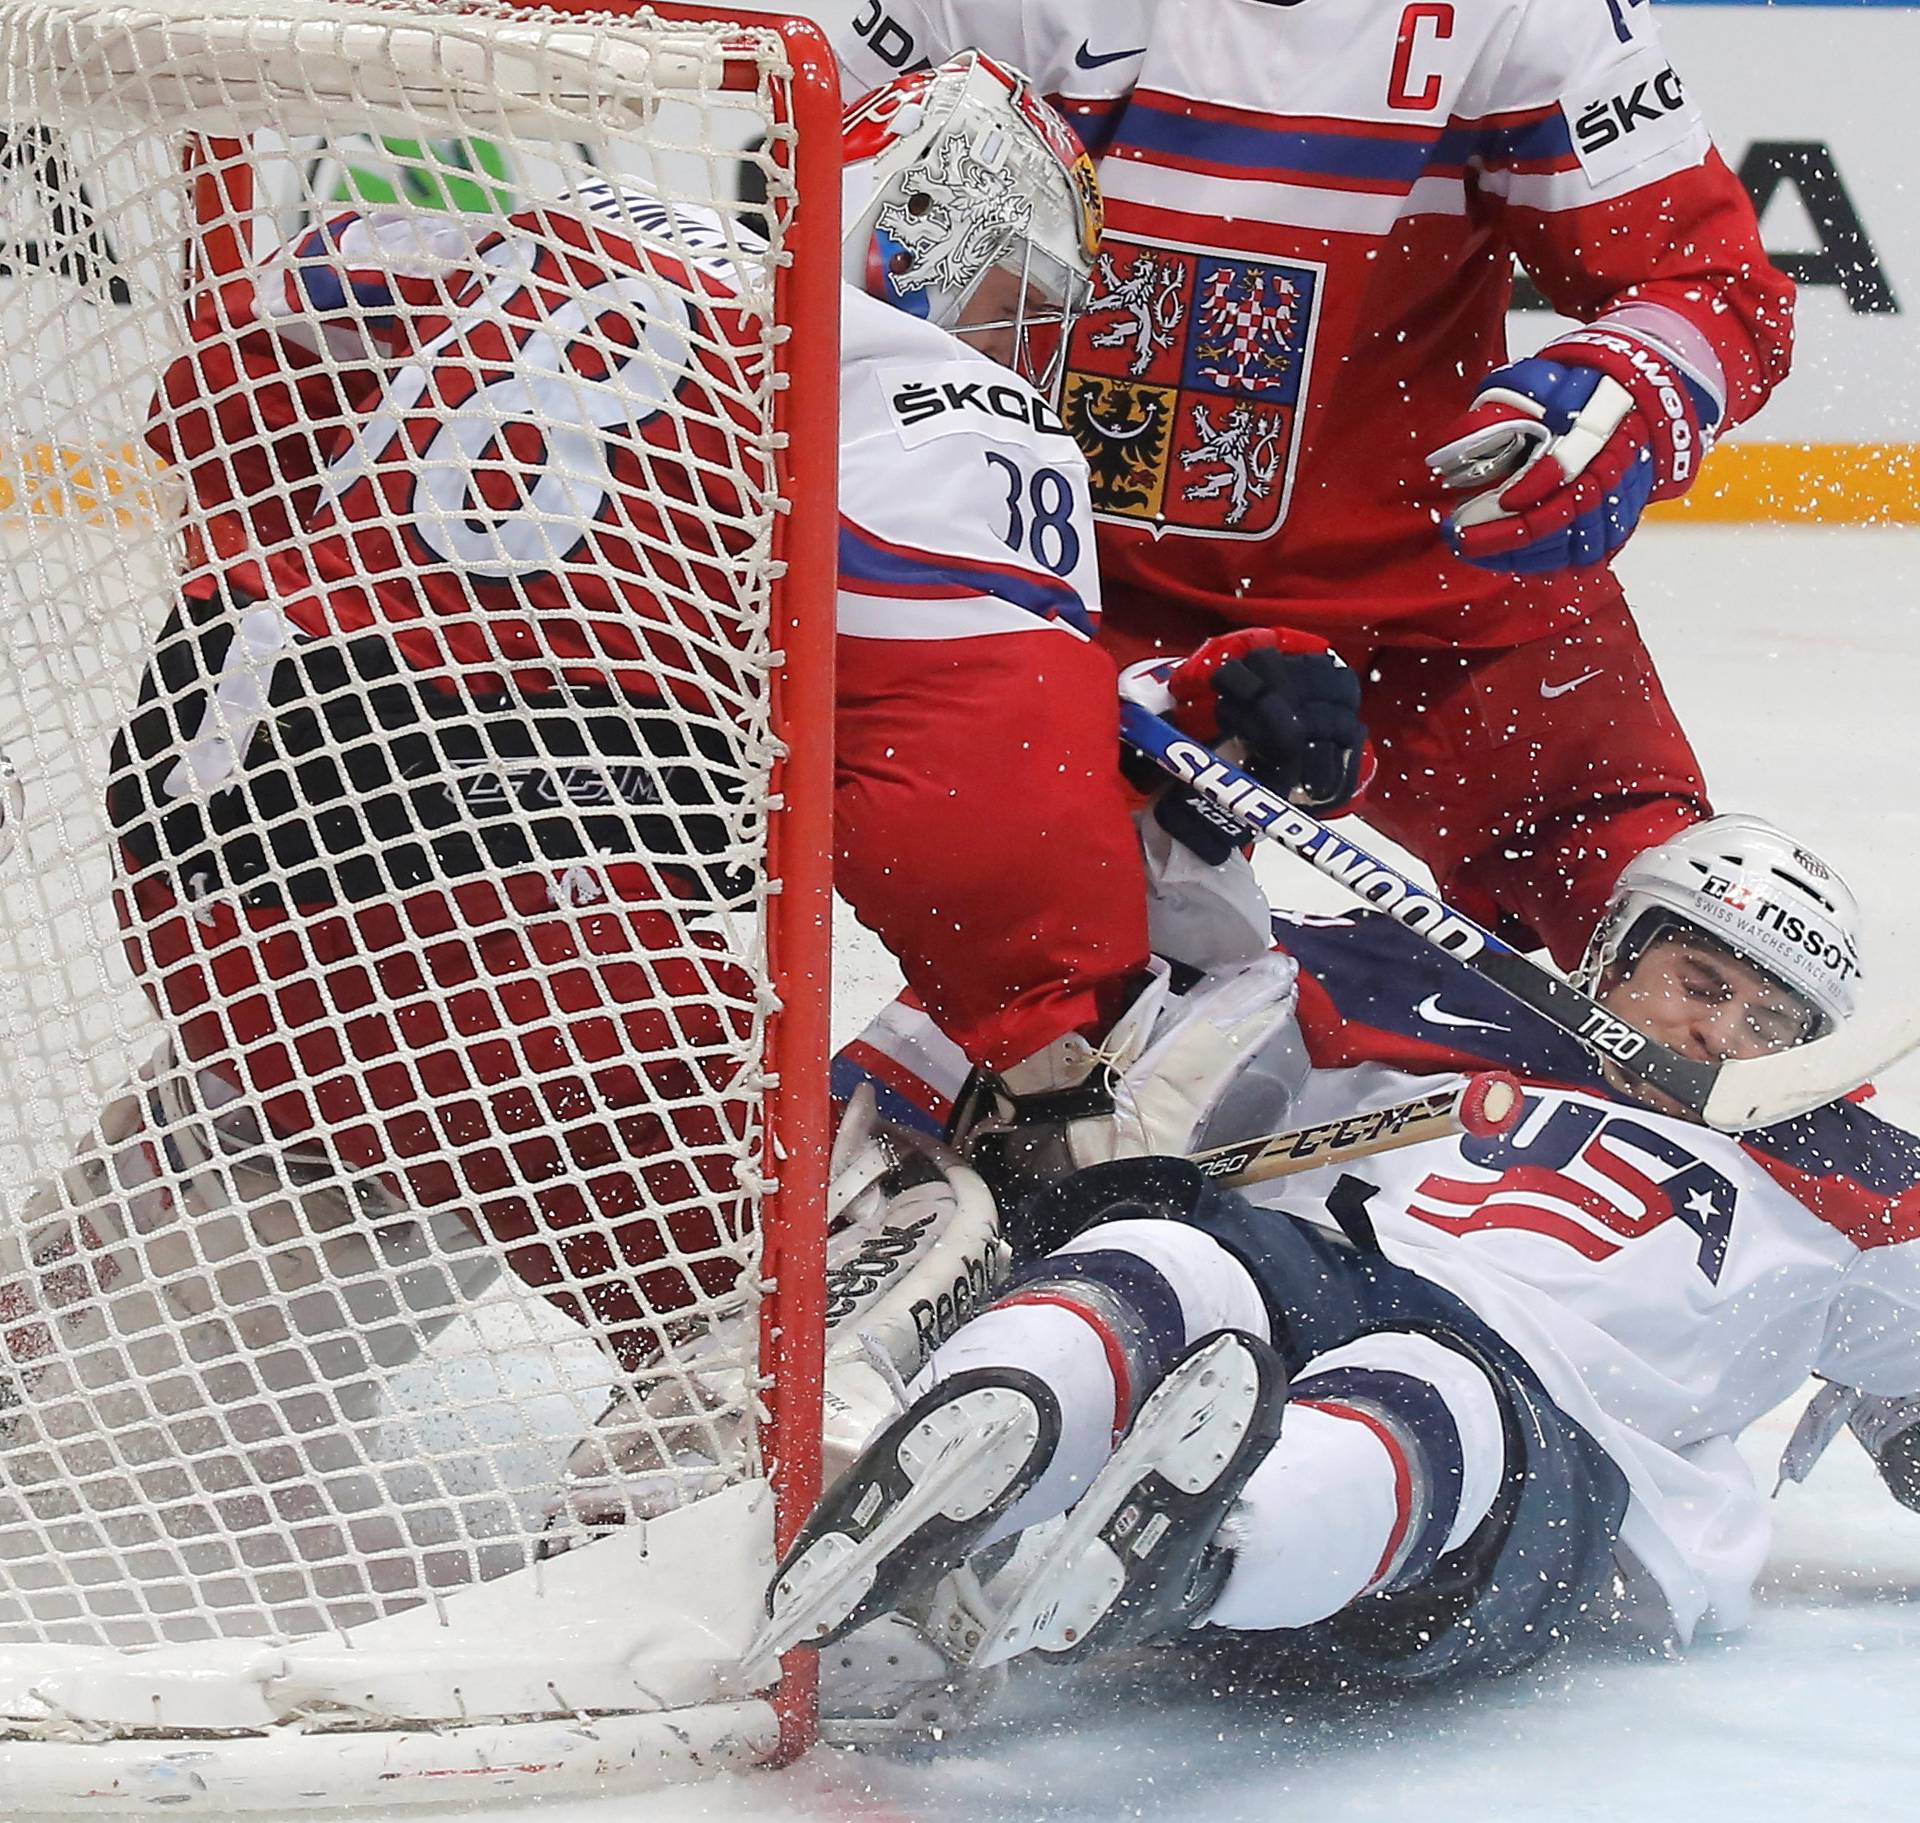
(285, 1448)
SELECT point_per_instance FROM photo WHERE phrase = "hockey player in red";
(1293, 387)
(456, 551)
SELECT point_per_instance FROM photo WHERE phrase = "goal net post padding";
(292, 1420)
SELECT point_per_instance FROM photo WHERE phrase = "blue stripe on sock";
(1420, 1418)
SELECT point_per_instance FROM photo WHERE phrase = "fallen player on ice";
(1422, 1416)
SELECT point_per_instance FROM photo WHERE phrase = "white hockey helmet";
(962, 184)
(1750, 886)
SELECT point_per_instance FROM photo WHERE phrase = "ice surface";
(1793, 656)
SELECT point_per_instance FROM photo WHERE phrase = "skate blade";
(956, 1462)
(1187, 1433)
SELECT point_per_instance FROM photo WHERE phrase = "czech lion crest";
(975, 215)
(1185, 383)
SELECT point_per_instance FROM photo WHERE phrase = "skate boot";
(889, 1685)
(914, 1505)
(1136, 1559)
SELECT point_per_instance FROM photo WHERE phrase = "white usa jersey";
(964, 509)
(1669, 1284)
(1664, 1284)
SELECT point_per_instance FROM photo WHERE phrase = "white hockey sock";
(1061, 1348)
(1311, 1527)
(1391, 1453)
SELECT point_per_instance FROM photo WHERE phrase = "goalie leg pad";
(914, 1252)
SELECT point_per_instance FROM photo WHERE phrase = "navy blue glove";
(1293, 705)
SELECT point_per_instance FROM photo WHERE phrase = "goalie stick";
(1486, 1104)
(1734, 1096)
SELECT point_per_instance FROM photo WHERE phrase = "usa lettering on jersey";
(1591, 1178)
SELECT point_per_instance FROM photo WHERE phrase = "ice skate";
(1133, 1560)
(914, 1505)
(888, 1684)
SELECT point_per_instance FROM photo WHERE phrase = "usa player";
(1414, 1419)
(1292, 378)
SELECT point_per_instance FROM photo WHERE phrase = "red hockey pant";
(983, 830)
(1525, 776)
(561, 1076)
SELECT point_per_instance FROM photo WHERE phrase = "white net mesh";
(388, 486)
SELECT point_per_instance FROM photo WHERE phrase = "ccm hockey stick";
(1735, 1096)
(1485, 1105)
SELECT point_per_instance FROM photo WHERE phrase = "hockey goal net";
(417, 434)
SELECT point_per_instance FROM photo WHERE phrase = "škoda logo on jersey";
(1185, 382)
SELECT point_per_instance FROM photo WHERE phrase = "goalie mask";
(970, 204)
(1752, 888)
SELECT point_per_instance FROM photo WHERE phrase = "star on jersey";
(1701, 1203)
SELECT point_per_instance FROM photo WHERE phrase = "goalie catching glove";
(1289, 700)
(1560, 454)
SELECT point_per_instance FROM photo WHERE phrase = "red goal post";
(181, 1647)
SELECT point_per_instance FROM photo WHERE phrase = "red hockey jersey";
(455, 432)
(1312, 216)
(519, 442)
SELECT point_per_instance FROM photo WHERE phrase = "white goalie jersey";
(963, 498)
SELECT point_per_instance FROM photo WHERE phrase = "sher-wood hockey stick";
(1735, 1096)
(1484, 1105)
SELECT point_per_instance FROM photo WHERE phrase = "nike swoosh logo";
(1550, 691)
(1430, 1009)
(1090, 59)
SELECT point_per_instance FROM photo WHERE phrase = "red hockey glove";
(1289, 700)
(1560, 454)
